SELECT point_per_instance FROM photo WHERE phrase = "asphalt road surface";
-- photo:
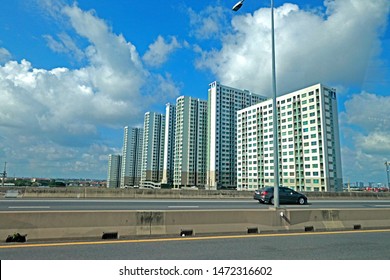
(128, 204)
(350, 245)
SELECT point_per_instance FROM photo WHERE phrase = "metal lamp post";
(235, 8)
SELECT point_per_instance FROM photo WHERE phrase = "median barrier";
(129, 224)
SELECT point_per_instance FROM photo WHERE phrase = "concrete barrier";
(127, 224)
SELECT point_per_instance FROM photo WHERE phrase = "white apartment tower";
(114, 167)
(223, 104)
(169, 144)
(309, 145)
(131, 156)
(190, 142)
(153, 148)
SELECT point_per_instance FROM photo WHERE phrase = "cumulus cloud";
(159, 51)
(107, 91)
(55, 116)
(334, 47)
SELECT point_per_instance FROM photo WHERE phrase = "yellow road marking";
(185, 239)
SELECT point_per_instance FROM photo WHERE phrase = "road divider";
(41, 225)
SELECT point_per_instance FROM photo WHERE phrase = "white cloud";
(334, 48)
(366, 124)
(368, 111)
(5, 55)
(107, 91)
(375, 143)
(64, 44)
(159, 51)
(208, 23)
(53, 118)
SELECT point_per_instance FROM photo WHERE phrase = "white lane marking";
(29, 207)
(183, 206)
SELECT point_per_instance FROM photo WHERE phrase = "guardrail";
(122, 224)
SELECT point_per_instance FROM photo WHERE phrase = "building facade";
(223, 104)
(114, 167)
(190, 142)
(169, 144)
(309, 145)
(131, 157)
(153, 149)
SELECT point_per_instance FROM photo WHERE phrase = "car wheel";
(301, 201)
(260, 201)
(271, 200)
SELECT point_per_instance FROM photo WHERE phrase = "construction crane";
(4, 174)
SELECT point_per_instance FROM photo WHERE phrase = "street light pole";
(235, 8)
(275, 114)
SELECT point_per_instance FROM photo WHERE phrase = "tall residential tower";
(309, 145)
(153, 148)
(131, 156)
(114, 167)
(169, 144)
(190, 142)
(223, 104)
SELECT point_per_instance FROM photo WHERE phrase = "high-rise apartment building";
(131, 156)
(309, 146)
(190, 142)
(114, 167)
(153, 148)
(223, 104)
(169, 144)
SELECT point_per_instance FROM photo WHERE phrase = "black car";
(286, 196)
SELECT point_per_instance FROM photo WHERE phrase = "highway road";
(173, 204)
(349, 245)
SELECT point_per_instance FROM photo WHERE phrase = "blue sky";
(73, 74)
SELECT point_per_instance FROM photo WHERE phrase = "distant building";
(309, 145)
(360, 184)
(190, 142)
(131, 156)
(153, 148)
(223, 104)
(114, 167)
